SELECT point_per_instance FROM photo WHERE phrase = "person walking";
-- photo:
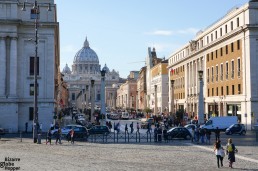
(58, 136)
(49, 137)
(197, 135)
(131, 126)
(26, 127)
(231, 150)
(202, 134)
(192, 134)
(138, 127)
(217, 150)
(72, 136)
(208, 137)
(40, 127)
(148, 128)
(126, 128)
(118, 127)
(110, 125)
(217, 134)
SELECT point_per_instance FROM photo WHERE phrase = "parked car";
(79, 132)
(236, 129)
(178, 132)
(125, 115)
(114, 116)
(190, 127)
(97, 129)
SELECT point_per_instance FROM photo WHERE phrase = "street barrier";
(125, 137)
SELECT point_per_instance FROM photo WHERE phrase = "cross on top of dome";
(86, 43)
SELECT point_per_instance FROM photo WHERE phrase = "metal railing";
(126, 137)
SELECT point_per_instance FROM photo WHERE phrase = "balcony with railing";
(232, 74)
(227, 75)
(221, 77)
(216, 77)
(239, 73)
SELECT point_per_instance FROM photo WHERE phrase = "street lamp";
(35, 14)
(92, 101)
(103, 105)
(86, 98)
(172, 96)
(201, 101)
(156, 99)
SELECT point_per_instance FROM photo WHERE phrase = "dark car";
(97, 129)
(178, 132)
(236, 129)
(79, 132)
(2, 131)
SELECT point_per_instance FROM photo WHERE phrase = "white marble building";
(85, 68)
(17, 52)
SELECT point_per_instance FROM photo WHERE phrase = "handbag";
(222, 152)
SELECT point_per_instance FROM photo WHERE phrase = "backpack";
(231, 147)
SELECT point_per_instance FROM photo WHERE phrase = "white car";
(190, 127)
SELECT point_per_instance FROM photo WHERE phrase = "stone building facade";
(227, 53)
(17, 53)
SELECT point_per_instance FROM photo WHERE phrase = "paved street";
(176, 155)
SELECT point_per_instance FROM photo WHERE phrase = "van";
(222, 123)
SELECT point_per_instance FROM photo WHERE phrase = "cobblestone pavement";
(176, 155)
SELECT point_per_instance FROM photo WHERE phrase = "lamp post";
(137, 101)
(201, 101)
(35, 13)
(172, 96)
(155, 100)
(86, 98)
(92, 101)
(214, 106)
(103, 105)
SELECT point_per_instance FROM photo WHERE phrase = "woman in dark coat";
(231, 149)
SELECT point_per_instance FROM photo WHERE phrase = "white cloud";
(161, 33)
(173, 32)
(69, 48)
(188, 31)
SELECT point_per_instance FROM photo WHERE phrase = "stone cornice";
(215, 43)
(10, 21)
(27, 23)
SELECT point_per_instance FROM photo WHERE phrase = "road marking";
(237, 156)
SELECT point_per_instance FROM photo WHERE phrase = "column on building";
(185, 87)
(2, 66)
(193, 87)
(13, 67)
(197, 85)
(155, 103)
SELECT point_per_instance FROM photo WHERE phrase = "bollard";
(39, 138)
(21, 136)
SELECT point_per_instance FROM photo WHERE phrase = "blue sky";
(120, 31)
